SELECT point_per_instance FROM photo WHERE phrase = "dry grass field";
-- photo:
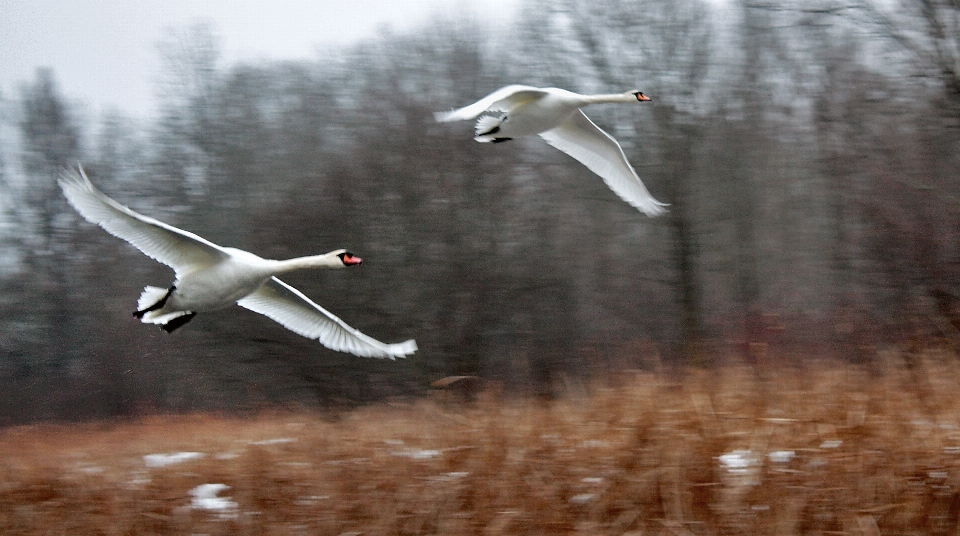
(820, 449)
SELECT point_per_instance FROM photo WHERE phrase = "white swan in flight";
(211, 277)
(555, 115)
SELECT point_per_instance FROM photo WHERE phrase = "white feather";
(150, 297)
(498, 101)
(580, 138)
(289, 307)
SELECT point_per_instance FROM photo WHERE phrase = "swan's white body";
(554, 114)
(210, 277)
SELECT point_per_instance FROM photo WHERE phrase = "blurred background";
(809, 151)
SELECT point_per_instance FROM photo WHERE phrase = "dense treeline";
(809, 154)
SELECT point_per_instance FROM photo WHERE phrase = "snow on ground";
(163, 460)
(275, 441)
(781, 456)
(205, 498)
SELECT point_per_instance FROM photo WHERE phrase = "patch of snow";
(163, 460)
(139, 477)
(582, 498)
(738, 461)
(831, 444)
(89, 469)
(275, 441)
(449, 477)
(742, 468)
(418, 454)
(782, 456)
(205, 498)
(296, 464)
(310, 500)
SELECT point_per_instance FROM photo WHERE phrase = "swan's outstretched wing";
(299, 314)
(594, 148)
(176, 248)
(500, 100)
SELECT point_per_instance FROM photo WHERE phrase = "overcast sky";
(104, 52)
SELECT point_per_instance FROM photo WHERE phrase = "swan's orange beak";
(641, 97)
(349, 259)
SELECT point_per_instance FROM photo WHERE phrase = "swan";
(556, 116)
(211, 277)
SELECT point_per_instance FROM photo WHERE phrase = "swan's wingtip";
(653, 209)
(67, 172)
(660, 210)
(403, 349)
(70, 175)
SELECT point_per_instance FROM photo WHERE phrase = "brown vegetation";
(819, 449)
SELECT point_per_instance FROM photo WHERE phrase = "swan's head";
(639, 95)
(349, 259)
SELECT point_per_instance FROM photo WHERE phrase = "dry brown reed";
(813, 449)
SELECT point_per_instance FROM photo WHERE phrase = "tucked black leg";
(500, 140)
(493, 130)
(159, 304)
(177, 322)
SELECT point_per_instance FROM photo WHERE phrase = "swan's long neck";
(610, 97)
(328, 260)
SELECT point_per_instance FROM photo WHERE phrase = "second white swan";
(555, 115)
(211, 277)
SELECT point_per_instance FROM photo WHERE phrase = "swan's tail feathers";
(151, 299)
(401, 349)
(150, 309)
(487, 126)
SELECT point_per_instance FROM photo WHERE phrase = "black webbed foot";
(160, 303)
(177, 322)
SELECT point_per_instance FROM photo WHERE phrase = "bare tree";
(929, 31)
(916, 44)
(666, 45)
(51, 140)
